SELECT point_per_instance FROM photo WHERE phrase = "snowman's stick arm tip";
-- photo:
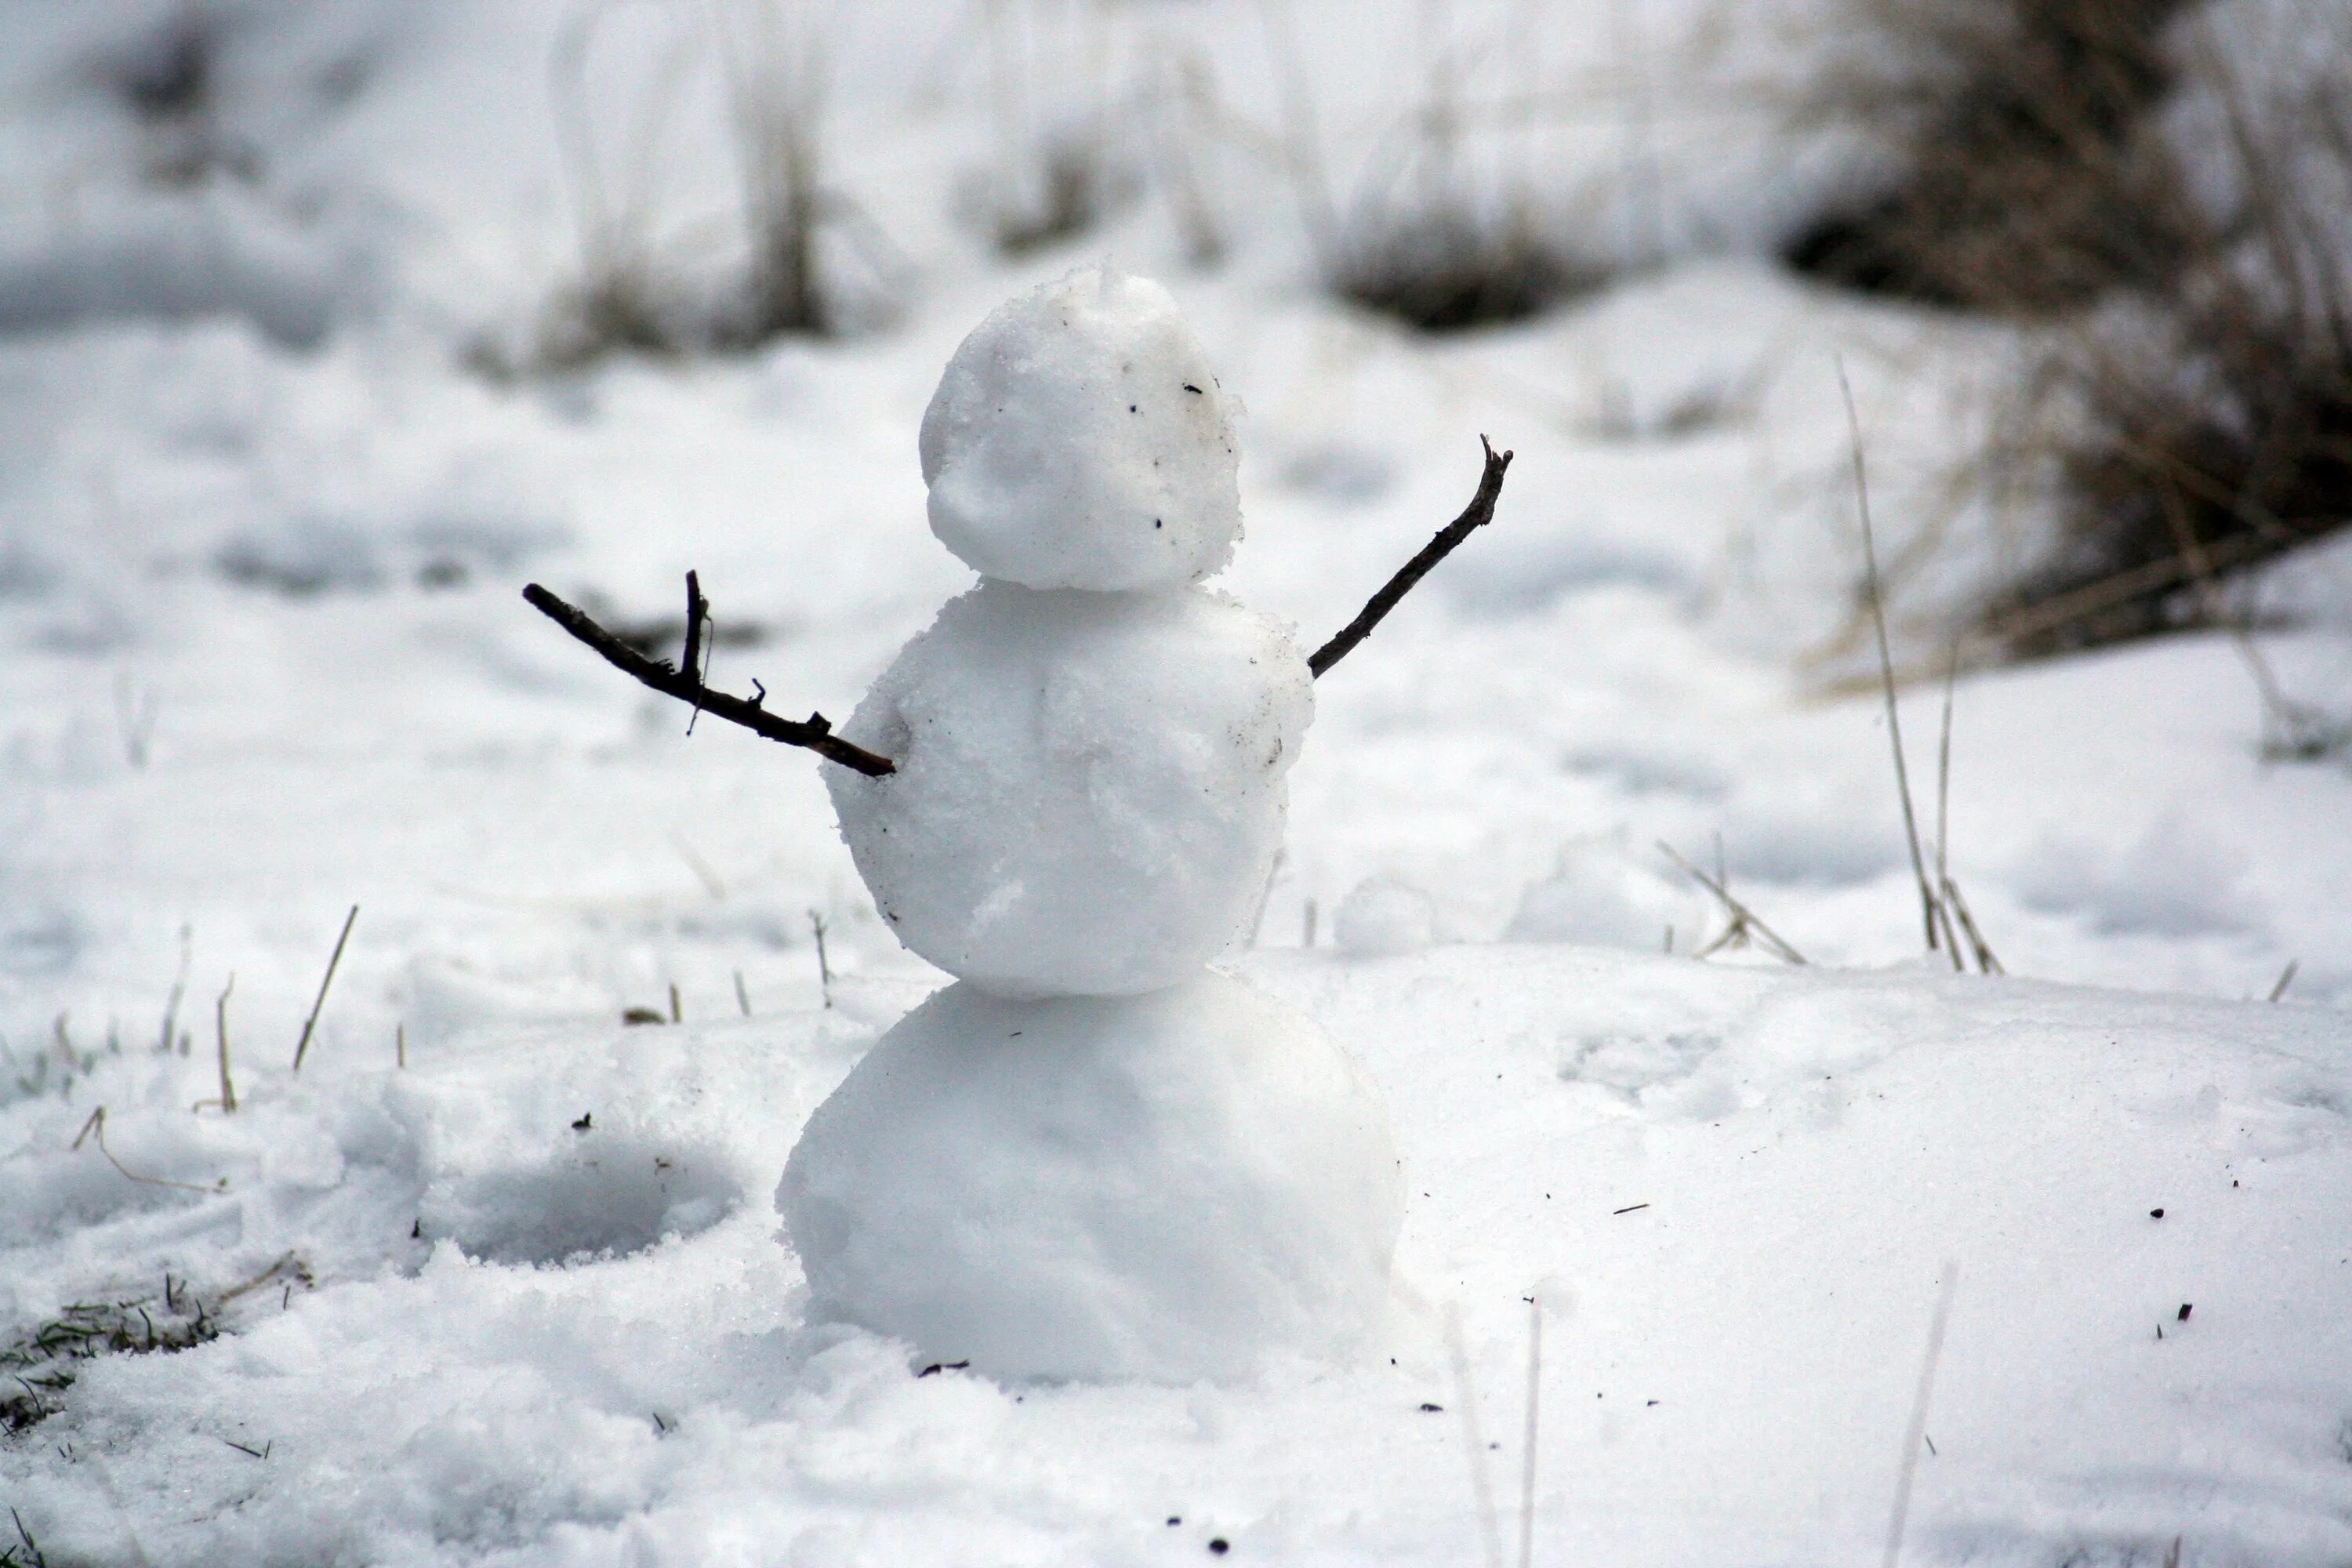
(815, 732)
(1476, 515)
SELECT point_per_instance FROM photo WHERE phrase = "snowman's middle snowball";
(1089, 789)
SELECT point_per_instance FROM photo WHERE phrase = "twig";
(1466, 1399)
(96, 1127)
(1528, 1453)
(823, 969)
(1886, 662)
(2286, 978)
(1745, 919)
(319, 1001)
(743, 997)
(1917, 1432)
(815, 732)
(1479, 513)
(677, 1012)
(399, 1043)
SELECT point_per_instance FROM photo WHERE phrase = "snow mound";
(1078, 441)
(1090, 788)
(1159, 1188)
(1384, 917)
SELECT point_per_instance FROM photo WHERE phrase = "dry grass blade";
(1745, 921)
(310, 1024)
(1887, 664)
(95, 1129)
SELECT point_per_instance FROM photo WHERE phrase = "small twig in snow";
(1479, 513)
(743, 997)
(311, 1023)
(2286, 978)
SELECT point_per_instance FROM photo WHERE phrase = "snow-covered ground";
(263, 522)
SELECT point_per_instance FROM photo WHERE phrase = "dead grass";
(2171, 234)
(2022, 178)
(43, 1360)
(2203, 428)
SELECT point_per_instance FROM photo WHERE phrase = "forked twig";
(815, 732)
(1478, 514)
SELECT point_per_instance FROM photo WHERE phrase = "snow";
(262, 657)
(1090, 787)
(1079, 440)
(1162, 1189)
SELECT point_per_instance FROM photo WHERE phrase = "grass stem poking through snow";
(311, 1023)
(1479, 513)
(1466, 1400)
(1886, 661)
(743, 997)
(1745, 921)
(96, 1127)
(179, 990)
(815, 732)
(824, 968)
(1916, 1433)
(227, 1102)
(400, 1045)
(2286, 978)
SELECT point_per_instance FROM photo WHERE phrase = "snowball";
(1078, 440)
(1157, 1188)
(1384, 917)
(1090, 787)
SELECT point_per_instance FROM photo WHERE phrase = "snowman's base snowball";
(1159, 1188)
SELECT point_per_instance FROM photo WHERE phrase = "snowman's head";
(1078, 441)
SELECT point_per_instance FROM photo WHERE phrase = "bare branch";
(815, 732)
(1480, 511)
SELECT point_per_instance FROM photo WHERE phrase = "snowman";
(1093, 1156)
